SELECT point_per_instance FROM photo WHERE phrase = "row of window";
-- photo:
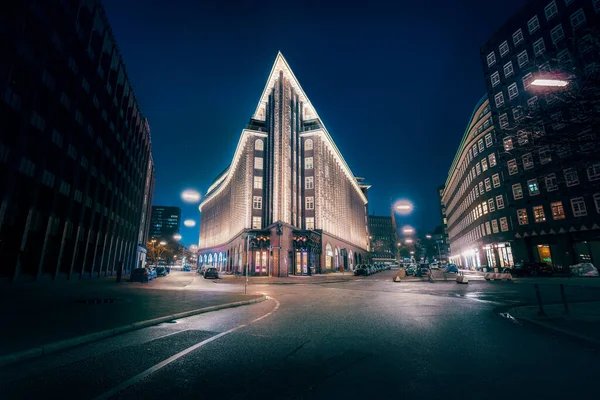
(484, 229)
(570, 174)
(557, 33)
(490, 205)
(578, 207)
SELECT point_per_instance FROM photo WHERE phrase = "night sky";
(394, 84)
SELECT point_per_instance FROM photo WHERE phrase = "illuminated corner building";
(76, 171)
(289, 188)
(165, 222)
(479, 228)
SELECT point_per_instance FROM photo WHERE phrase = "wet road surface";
(365, 338)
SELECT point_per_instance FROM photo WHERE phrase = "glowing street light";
(399, 244)
(408, 229)
(163, 243)
(550, 82)
(408, 241)
(177, 236)
(190, 223)
(190, 196)
(412, 252)
(428, 236)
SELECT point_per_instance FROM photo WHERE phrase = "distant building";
(441, 247)
(383, 238)
(76, 171)
(165, 222)
(288, 203)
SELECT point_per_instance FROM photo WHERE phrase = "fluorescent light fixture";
(550, 82)
(190, 196)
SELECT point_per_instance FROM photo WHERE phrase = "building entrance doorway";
(545, 253)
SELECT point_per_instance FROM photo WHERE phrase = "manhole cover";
(97, 301)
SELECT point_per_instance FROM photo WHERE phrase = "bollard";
(564, 299)
(539, 299)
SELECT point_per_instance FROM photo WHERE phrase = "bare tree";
(157, 251)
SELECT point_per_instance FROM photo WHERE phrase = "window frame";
(577, 202)
(517, 191)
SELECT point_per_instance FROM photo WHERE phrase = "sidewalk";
(292, 279)
(583, 322)
(37, 315)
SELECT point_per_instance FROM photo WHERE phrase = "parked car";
(200, 270)
(583, 269)
(411, 269)
(161, 271)
(211, 272)
(140, 275)
(187, 268)
(424, 269)
(152, 273)
(452, 268)
(531, 269)
(361, 270)
(434, 265)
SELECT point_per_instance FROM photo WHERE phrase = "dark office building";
(164, 222)
(76, 172)
(549, 168)
(383, 238)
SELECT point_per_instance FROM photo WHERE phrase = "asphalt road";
(367, 338)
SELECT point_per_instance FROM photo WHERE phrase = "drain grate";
(97, 301)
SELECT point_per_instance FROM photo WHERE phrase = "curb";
(50, 348)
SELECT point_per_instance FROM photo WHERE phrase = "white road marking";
(175, 357)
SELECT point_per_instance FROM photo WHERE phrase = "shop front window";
(545, 254)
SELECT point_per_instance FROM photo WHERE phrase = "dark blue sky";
(394, 83)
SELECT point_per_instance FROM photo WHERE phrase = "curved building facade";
(288, 203)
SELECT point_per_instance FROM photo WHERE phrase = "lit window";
(593, 172)
(523, 58)
(484, 164)
(577, 18)
(517, 37)
(538, 214)
(557, 34)
(527, 161)
(534, 189)
(308, 144)
(517, 191)
(258, 163)
(495, 225)
(499, 202)
(523, 138)
(558, 211)
(309, 182)
(491, 205)
(512, 167)
(491, 59)
(495, 78)
(310, 223)
(578, 206)
(488, 184)
(481, 188)
(499, 99)
(488, 230)
(480, 145)
(256, 222)
(310, 203)
(503, 120)
(513, 91)
(484, 207)
(539, 47)
(503, 49)
(258, 182)
(496, 180)
(488, 140)
(503, 224)
(474, 150)
(545, 156)
(551, 183)
(508, 144)
(533, 24)
(527, 79)
(571, 177)
(508, 69)
(308, 163)
(522, 216)
(550, 10)
(259, 145)
(257, 203)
